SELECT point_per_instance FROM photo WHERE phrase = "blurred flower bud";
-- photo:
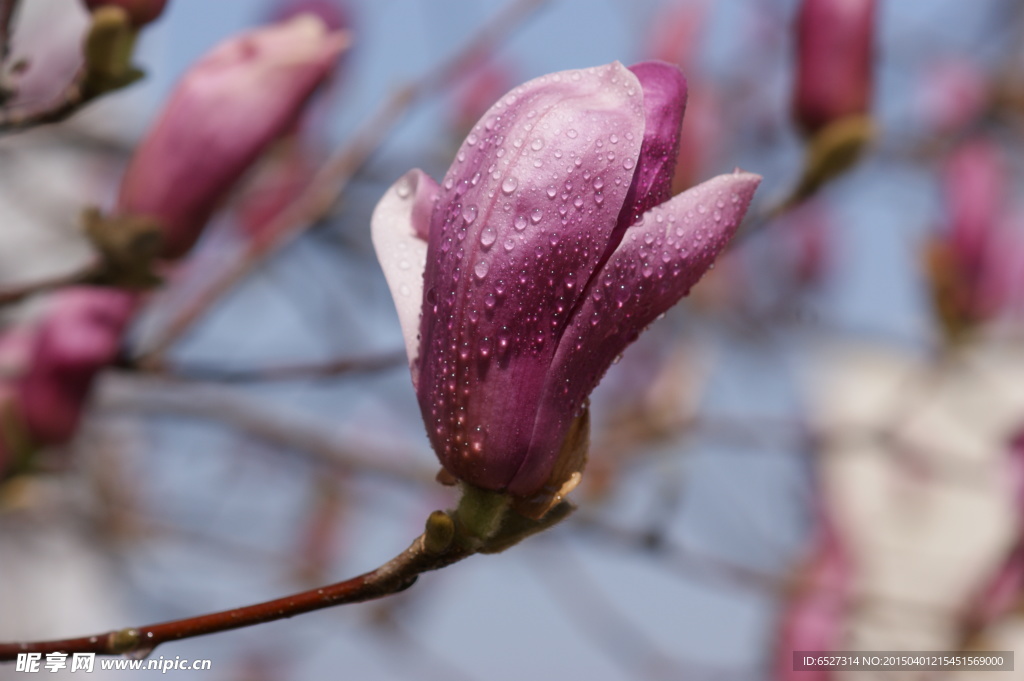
(140, 12)
(552, 242)
(953, 93)
(835, 54)
(815, 616)
(976, 267)
(79, 335)
(223, 114)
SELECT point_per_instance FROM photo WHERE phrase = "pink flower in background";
(954, 92)
(814, 617)
(835, 61)
(223, 114)
(974, 185)
(79, 334)
(677, 32)
(1006, 587)
(140, 12)
(984, 244)
(552, 242)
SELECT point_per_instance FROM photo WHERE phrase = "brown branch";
(286, 372)
(266, 423)
(394, 576)
(330, 181)
(71, 100)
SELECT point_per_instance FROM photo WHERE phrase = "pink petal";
(399, 228)
(658, 261)
(664, 103)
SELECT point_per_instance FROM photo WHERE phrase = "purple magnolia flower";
(551, 243)
(835, 55)
(225, 112)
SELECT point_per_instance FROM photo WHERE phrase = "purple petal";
(658, 261)
(399, 228)
(664, 103)
(525, 216)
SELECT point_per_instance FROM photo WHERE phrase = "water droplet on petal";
(472, 139)
(571, 133)
(481, 269)
(469, 214)
(536, 215)
(627, 163)
(509, 184)
(487, 236)
(520, 222)
(404, 188)
(537, 144)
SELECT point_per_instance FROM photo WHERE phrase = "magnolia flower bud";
(226, 110)
(834, 61)
(551, 243)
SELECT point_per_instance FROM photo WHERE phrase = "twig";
(263, 422)
(328, 184)
(396, 575)
(288, 372)
(73, 98)
(16, 294)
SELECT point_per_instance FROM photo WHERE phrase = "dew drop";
(627, 163)
(536, 215)
(469, 214)
(578, 202)
(537, 144)
(520, 222)
(472, 139)
(598, 182)
(487, 236)
(490, 300)
(509, 184)
(481, 269)
(404, 189)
